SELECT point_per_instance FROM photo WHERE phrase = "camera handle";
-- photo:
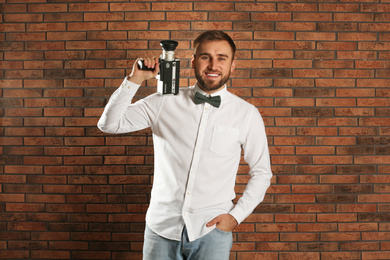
(142, 66)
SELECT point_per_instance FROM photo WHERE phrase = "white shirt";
(197, 151)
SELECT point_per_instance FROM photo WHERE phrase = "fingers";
(150, 62)
(225, 222)
(213, 222)
(138, 76)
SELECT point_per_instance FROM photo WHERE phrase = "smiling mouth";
(212, 75)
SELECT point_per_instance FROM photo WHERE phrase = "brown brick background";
(319, 72)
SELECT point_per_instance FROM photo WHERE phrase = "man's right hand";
(138, 76)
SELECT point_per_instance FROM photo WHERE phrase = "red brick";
(295, 218)
(15, 169)
(10, 18)
(314, 54)
(105, 73)
(24, 74)
(65, 131)
(337, 218)
(152, 16)
(292, 64)
(295, 197)
(26, 131)
(86, 26)
(197, 16)
(23, 207)
(82, 160)
(307, 16)
(344, 7)
(77, 45)
(340, 236)
(43, 64)
(59, 36)
(12, 27)
(381, 27)
(62, 111)
(64, 151)
(88, 7)
(81, 121)
(316, 131)
(299, 255)
(47, 7)
(337, 26)
(359, 246)
(63, 17)
(112, 26)
(295, 26)
(270, 16)
(369, 46)
(312, 189)
(290, 45)
(83, 83)
(225, 26)
(45, 27)
(298, 236)
(11, 65)
(315, 36)
(223, 16)
(340, 255)
(356, 54)
(320, 246)
(339, 179)
(376, 255)
(171, 6)
(62, 189)
(357, 37)
(173, 25)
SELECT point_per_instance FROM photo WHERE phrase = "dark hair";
(214, 35)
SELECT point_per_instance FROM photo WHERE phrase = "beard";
(210, 86)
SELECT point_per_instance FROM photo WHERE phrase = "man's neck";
(210, 92)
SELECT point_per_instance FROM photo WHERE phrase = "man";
(197, 151)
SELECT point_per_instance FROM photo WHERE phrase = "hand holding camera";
(139, 75)
(166, 69)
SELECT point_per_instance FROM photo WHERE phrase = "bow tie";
(214, 101)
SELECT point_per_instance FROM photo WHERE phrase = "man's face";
(213, 62)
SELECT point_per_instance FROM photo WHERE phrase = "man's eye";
(204, 57)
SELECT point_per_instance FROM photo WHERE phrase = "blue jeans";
(215, 245)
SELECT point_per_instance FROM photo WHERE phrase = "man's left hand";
(224, 222)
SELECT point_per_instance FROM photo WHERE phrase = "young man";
(198, 136)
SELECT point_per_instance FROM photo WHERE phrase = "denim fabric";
(215, 245)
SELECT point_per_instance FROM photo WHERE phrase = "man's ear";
(233, 66)
(193, 61)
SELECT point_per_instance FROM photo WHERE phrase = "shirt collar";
(222, 92)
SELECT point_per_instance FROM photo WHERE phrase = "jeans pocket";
(222, 231)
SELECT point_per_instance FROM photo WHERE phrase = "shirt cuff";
(238, 214)
(130, 87)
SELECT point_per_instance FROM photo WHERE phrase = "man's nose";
(212, 64)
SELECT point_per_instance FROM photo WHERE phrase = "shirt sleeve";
(256, 154)
(122, 116)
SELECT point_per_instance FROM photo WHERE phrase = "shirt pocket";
(224, 140)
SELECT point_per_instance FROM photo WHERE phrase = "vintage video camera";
(168, 78)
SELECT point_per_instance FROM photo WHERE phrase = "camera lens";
(168, 45)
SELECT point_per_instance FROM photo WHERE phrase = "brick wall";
(319, 72)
